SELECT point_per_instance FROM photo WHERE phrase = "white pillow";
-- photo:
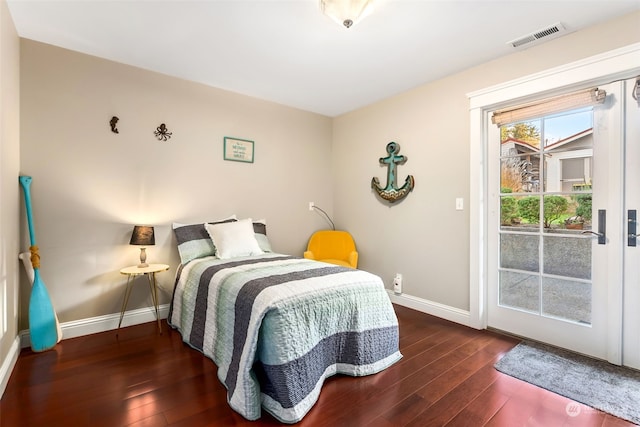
(234, 239)
(194, 241)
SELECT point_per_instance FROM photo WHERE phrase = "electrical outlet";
(397, 283)
(311, 205)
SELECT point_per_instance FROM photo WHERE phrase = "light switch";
(459, 203)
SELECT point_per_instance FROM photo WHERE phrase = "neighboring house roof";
(524, 147)
(570, 139)
(521, 146)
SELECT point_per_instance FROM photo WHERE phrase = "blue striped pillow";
(260, 229)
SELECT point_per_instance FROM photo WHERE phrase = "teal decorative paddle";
(42, 317)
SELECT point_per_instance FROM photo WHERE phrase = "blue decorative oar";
(42, 317)
(25, 257)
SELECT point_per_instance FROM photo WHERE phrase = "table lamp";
(143, 236)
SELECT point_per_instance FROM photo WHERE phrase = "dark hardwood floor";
(141, 378)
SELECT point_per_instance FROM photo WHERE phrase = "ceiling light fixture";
(346, 12)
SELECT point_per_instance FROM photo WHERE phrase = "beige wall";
(90, 186)
(424, 237)
(9, 188)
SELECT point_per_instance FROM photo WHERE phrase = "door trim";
(631, 256)
(604, 68)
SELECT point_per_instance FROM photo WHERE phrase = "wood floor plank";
(519, 408)
(447, 407)
(487, 403)
(138, 377)
(468, 361)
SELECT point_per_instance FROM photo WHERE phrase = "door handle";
(602, 227)
(592, 232)
(631, 227)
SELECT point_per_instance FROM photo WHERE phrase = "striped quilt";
(276, 326)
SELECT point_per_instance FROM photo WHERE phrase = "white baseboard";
(8, 364)
(446, 312)
(92, 325)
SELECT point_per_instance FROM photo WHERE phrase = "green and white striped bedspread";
(276, 326)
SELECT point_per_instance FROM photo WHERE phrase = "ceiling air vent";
(547, 33)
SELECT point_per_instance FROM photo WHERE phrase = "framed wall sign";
(239, 150)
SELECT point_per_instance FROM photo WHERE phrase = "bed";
(276, 325)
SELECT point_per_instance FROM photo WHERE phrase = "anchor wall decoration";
(391, 192)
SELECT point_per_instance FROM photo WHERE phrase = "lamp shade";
(143, 235)
(346, 12)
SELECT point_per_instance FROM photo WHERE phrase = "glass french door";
(556, 228)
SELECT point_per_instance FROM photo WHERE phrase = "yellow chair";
(335, 247)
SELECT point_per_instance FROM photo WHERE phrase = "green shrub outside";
(529, 208)
(584, 208)
(554, 208)
(508, 210)
(508, 207)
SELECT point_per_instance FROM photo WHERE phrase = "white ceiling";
(290, 53)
